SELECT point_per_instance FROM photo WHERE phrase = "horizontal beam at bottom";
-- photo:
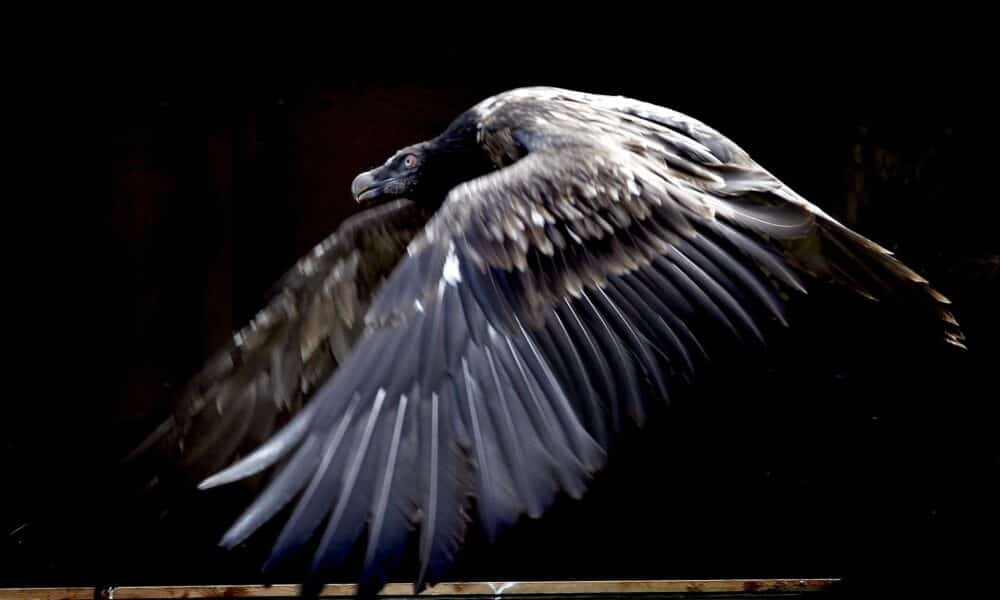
(509, 588)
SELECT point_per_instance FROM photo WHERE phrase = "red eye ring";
(410, 161)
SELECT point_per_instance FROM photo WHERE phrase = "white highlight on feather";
(451, 273)
(632, 187)
(418, 306)
(383, 497)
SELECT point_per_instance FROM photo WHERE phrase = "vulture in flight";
(518, 292)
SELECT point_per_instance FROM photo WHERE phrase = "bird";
(514, 296)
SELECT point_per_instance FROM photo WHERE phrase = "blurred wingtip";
(151, 440)
(221, 478)
(229, 539)
(264, 456)
(18, 529)
(956, 343)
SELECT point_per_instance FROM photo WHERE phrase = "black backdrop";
(860, 449)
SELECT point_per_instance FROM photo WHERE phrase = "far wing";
(267, 371)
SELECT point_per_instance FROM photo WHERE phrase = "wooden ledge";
(493, 589)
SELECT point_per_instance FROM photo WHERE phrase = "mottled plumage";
(578, 258)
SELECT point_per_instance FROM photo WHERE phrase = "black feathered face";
(400, 176)
(427, 171)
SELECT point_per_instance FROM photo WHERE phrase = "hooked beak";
(366, 187)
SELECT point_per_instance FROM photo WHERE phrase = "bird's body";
(537, 278)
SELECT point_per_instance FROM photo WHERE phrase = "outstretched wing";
(728, 181)
(544, 308)
(266, 372)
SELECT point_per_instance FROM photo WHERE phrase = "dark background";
(861, 449)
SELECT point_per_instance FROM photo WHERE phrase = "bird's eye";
(410, 161)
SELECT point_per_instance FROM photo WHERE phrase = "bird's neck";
(461, 158)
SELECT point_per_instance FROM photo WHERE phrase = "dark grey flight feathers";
(527, 287)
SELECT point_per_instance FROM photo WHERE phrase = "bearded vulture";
(518, 292)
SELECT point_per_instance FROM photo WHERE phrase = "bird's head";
(425, 172)
(400, 176)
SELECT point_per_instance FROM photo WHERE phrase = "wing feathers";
(349, 518)
(260, 379)
(283, 488)
(544, 308)
(266, 455)
(312, 506)
(393, 505)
